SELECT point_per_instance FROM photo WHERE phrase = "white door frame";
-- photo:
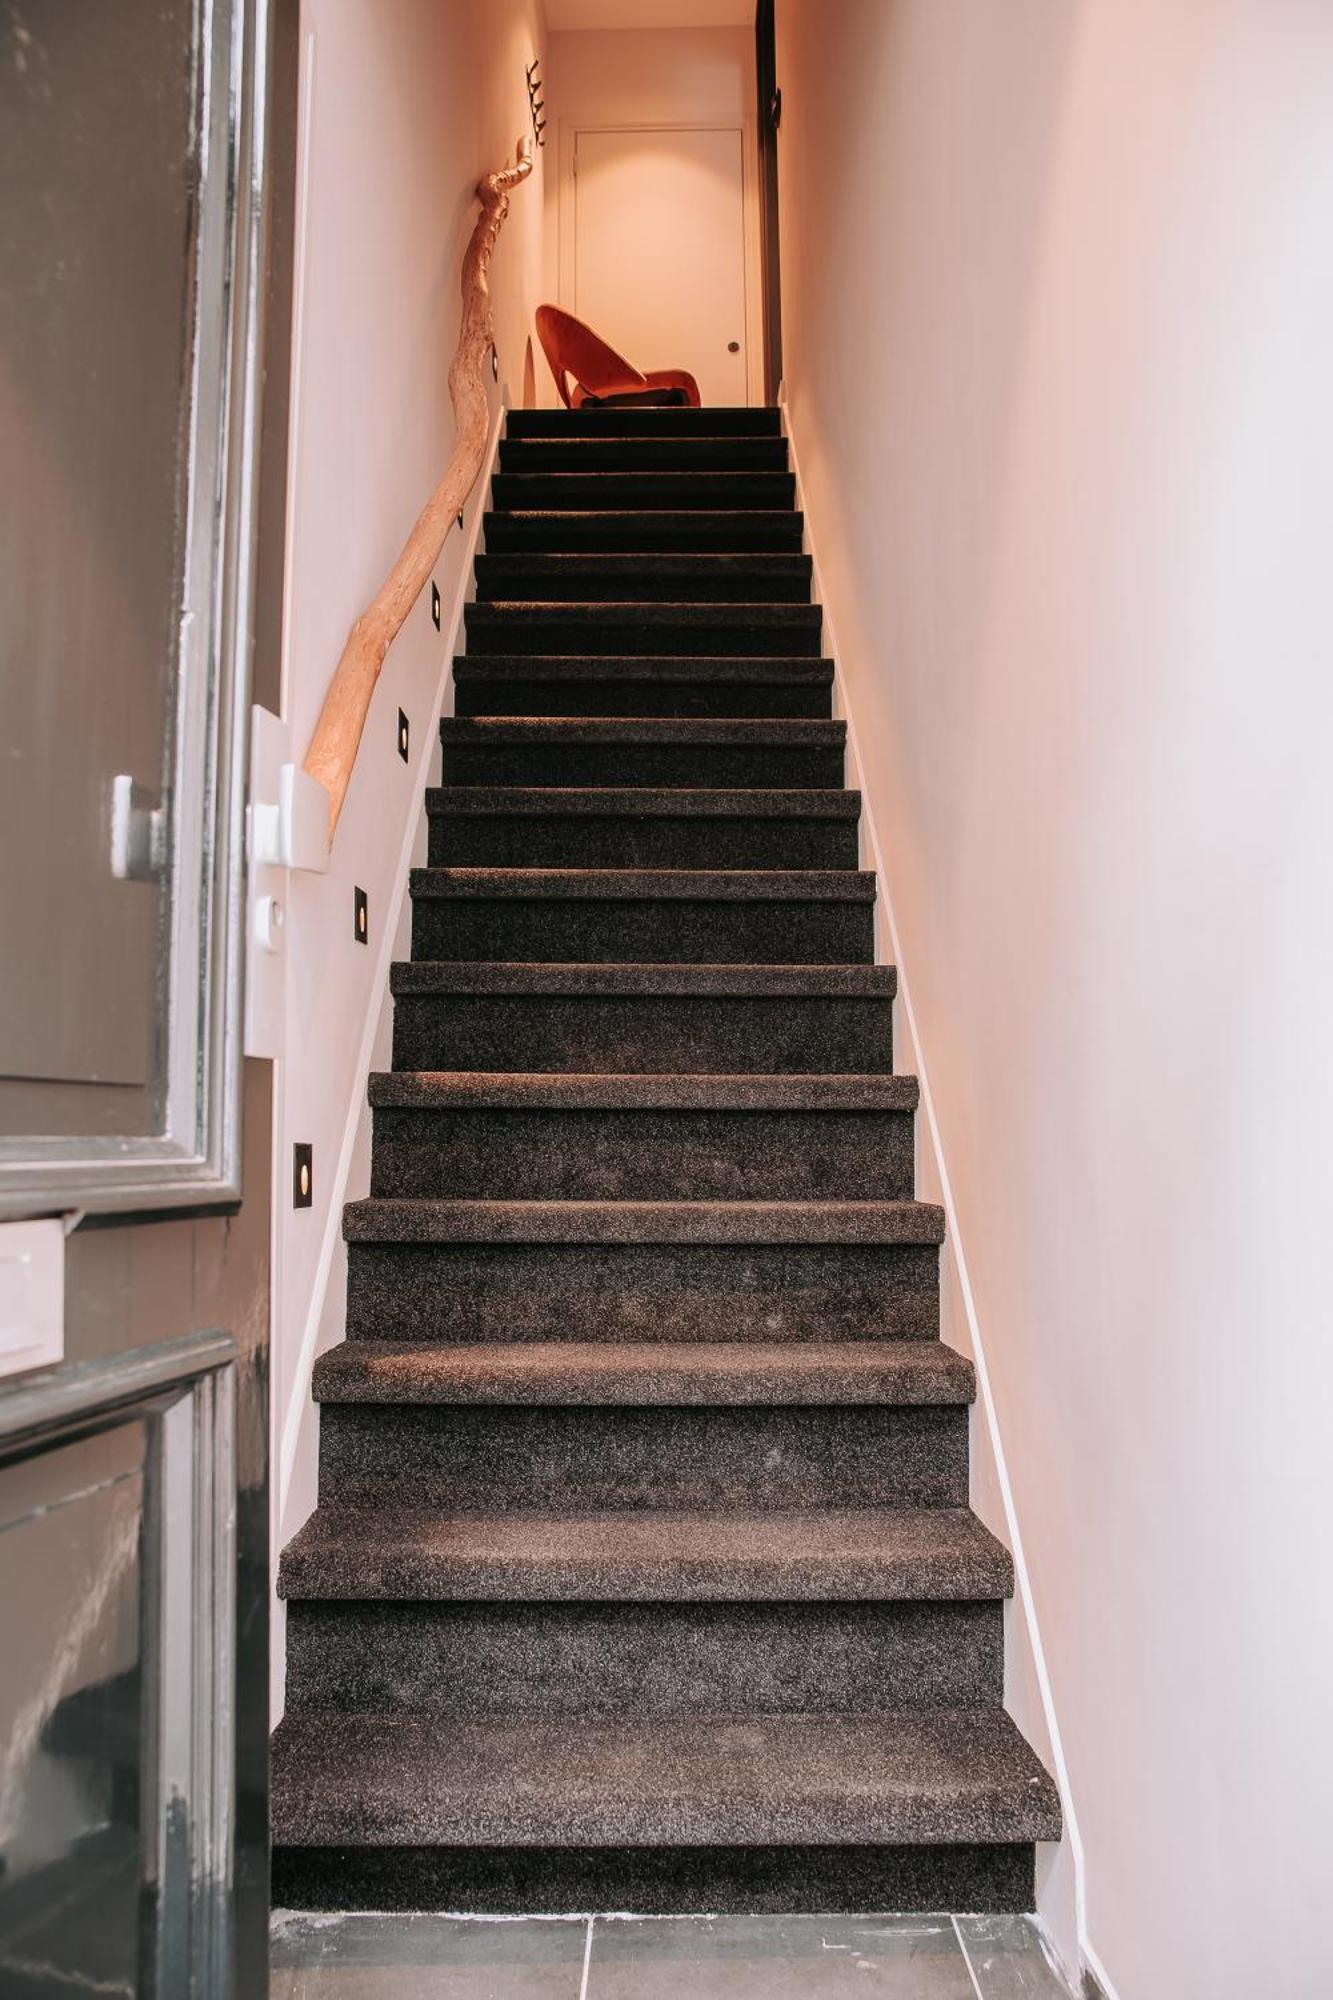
(567, 248)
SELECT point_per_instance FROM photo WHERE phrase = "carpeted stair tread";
(676, 1018)
(734, 686)
(572, 1090)
(713, 492)
(486, 1459)
(645, 565)
(643, 581)
(737, 1880)
(571, 1020)
(597, 1135)
(573, 915)
(646, 826)
(466, 1661)
(627, 1372)
(913, 1554)
(613, 625)
(697, 750)
(922, 1775)
(795, 731)
(614, 1222)
(668, 420)
(678, 530)
(744, 669)
(639, 802)
(694, 981)
(743, 614)
(621, 885)
(643, 578)
(702, 451)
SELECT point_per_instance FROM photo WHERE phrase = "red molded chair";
(598, 373)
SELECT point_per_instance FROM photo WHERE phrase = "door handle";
(733, 347)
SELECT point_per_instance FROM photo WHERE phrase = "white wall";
(646, 76)
(405, 104)
(1058, 316)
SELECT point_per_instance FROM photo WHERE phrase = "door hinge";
(292, 831)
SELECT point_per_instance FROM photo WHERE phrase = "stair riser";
(594, 492)
(467, 1661)
(782, 580)
(753, 629)
(649, 1291)
(698, 766)
(684, 699)
(489, 1459)
(657, 1035)
(529, 840)
(644, 454)
(685, 532)
(657, 1881)
(757, 420)
(649, 931)
(517, 1155)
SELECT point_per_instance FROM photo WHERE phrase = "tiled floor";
(668, 1958)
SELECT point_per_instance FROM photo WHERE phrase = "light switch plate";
(32, 1295)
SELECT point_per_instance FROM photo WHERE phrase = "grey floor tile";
(1007, 1960)
(777, 1958)
(424, 1958)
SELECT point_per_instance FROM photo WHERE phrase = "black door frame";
(770, 114)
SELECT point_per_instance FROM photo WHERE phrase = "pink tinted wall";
(1058, 315)
(405, 104)
(645, 74)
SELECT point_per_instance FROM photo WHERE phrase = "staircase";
(643, 1574)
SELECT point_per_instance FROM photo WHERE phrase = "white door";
(659, 250)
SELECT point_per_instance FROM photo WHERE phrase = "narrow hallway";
(664, 1056)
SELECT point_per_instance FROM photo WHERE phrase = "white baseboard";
(1096, 1983)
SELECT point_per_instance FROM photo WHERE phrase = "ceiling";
(650, 13)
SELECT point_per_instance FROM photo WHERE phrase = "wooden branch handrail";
(342, 719)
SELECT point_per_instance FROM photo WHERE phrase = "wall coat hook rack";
(536, 102)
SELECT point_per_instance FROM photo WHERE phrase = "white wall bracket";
(293, 831)
(287, 827)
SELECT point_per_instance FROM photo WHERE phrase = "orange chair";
(598, 373)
